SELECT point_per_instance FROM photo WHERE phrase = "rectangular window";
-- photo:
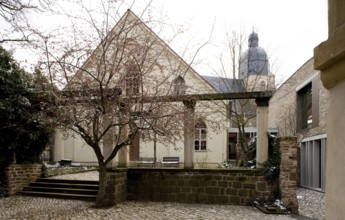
(307, 115)
(313, 162)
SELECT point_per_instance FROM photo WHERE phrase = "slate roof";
(224, 85)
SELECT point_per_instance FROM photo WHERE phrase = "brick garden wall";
(236, 187)
(20, 175)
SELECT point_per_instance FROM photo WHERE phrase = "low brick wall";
(117, 179)
(216, 186)
(20, 175)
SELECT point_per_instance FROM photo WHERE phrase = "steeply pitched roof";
(129, 16)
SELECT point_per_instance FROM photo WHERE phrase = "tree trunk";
(106, 194)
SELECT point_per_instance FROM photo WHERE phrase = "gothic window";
(132, 78)
(200, 136)
(179, 86)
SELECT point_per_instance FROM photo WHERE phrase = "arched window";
(200, 136)
(179, 86)
(262, 86)
(132, 78)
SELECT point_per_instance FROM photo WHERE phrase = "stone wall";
(288, 172)
(236, 187)
(117, 185)
(20, 175)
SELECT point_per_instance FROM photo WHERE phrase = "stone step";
(64, 185)
(62, 188)
(50, 180)
(59, 195)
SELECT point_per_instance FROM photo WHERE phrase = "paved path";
(22, 207)
(25, 207)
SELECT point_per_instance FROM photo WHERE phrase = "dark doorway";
(134, 148)
(232, 146)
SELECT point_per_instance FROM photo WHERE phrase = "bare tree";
(15, 18)
(235, 64)
(118, 90)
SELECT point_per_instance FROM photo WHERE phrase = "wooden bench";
(171, 161)
(146, 161)
(65, 162)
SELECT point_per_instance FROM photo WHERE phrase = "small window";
(179, 86)
(132, 78)
(262, 86)
(200, 136)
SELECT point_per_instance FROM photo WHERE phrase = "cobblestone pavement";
(22, 207)
(25, 207)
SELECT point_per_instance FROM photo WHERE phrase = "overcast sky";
(288, 30)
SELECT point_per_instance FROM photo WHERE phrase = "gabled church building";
(215, 133)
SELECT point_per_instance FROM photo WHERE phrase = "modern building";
(299, 108)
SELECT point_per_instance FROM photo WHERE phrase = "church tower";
(255, 68)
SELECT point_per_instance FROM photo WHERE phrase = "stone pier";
(288, 172)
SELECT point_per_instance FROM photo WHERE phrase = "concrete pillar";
(123, 154)
(329, 57)
(261, 133)
(108, 144)
(189, 134)
(123, 157)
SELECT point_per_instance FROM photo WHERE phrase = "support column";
(123, 157)
(261, 133)
(329, 57)
(123, 154)
(108, 139)
(189, 134)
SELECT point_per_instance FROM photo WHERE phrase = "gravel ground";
(311, 203)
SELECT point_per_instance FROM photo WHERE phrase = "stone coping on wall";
(239, 170)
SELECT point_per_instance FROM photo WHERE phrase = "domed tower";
(255, 67)
(254, 60)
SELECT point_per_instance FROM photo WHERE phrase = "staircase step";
(91, 182)
(59, 195)
(64, 185)
(62, 190)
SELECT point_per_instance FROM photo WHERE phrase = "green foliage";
(272, 165)
(3, 187)
(21, 132)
